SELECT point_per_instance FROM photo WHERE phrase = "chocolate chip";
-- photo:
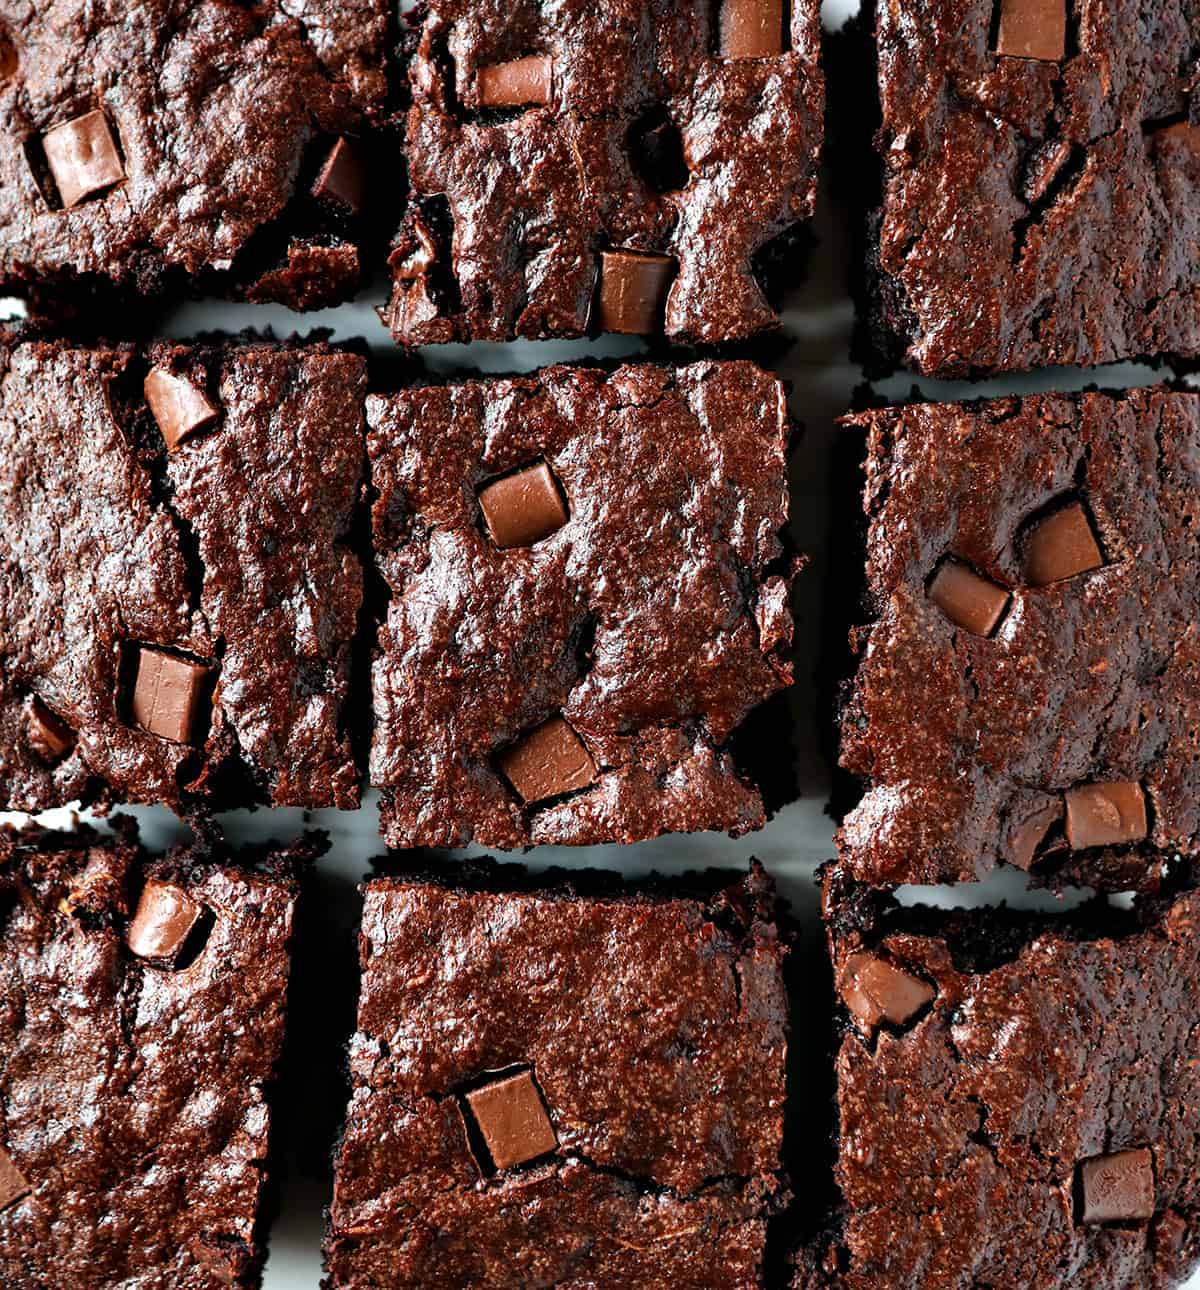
(633, 291)
(49, 735)
(875, 990)
(179, 406)
(547, 762)
(1060, 546)
(13, 1183)
(162, 922)
(523, 82)
(751, 28)
(1033, 29)
(1102, 815)
(167, 695)
(342, 180)
(1117, 1188)
(512, 1119)
(1027, 833)
(968, 600)
(82, 157)
(522, 508)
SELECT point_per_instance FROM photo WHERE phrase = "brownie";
(151, 147)
(562, 1085)
(178, 594)
(1028, 687)
(587, 595)
(612, 167)
(1018, 1096)
(1040, 186)
(143, 1015)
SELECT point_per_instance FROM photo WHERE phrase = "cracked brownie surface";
(647, 1035)
(1052, 1051)
(1063, 735)
(541, 135)
(134, 1118)
(587, 596)
(1036, 210)
(178, 597)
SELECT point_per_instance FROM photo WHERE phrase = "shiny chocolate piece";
(167, 695)
(50, 736)
(1028, 833)
(1105, 815)
(1044, 166)
(633, 291)
(512, 1119)
(180, 407)
(1117, 1188)
(969, 601)
(523, 82)
(875, 990)
(1061, 546)
(13, 1183)
(82, 157)
(343, 179)
(524, 507)
(1034, 29)
(751, 28)
(162, 922)
(548, 762)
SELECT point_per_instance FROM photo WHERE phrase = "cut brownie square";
(588, 595)
(1040, 197)
(617, 166)
(1033, 1117)
(144, 1011)
(560, 1085)
(146, 147)
(1029, 689)
(178, 596)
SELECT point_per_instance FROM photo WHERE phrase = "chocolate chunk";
(875, 990)
(179, 407)
(1061, 546)
(82, 157)
(633, 291)
(50, 736)
(13, 1183)
(523, 82)
(1026, 834)
(1033, 29)
(162, 922)
(1043, 167)
(1103, 815)
(513, 1120)
(968, 600)
(1117, 1188)
(751, 28)
(167, 695)
(522, 508)
(342, 180)
(547, 762)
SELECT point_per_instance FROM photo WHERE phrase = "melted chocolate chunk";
(512, 1119)
(169, 694)
(1102, 815)
(524, 507)
(1117, 1188)
(524, 82)
(966, 598)
(633, 291)
(178, 406)
(163, 921)
(82, 157)
(548, 762)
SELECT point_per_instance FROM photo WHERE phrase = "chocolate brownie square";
(587, 596)
(149, 146)
(1018, 1096)
(143, 1016)
(1040, 191)
(178, 594)
(562, 1085)
(612, 167)
(1028, 690)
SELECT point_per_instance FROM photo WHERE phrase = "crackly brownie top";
(1029, 689)
(553, 1084)
(540, 135)
(143, 1012)
(145, 138)
(584, 602)
(1040, 205)
(1036, 1121)
(177, 598)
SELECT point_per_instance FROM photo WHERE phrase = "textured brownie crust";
(1050, 1040)
(653, 620)
(527, 199)
(1093, 679)
(222, 113)
(656, 1030)
(232, 549)
(1037, 212)
(134, 1096)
